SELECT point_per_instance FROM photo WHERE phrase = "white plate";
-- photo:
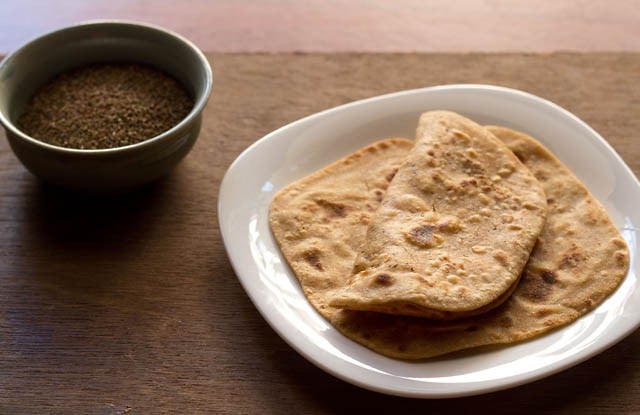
(304, 146)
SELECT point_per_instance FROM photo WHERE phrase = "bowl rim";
(198, 105)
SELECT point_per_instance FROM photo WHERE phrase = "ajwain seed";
(105, 106)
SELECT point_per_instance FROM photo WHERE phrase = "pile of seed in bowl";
(105, 106)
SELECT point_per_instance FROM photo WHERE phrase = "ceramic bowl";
(105, 170)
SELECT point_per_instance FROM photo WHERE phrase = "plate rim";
(493, 385)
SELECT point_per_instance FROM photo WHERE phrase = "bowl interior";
(24, 71)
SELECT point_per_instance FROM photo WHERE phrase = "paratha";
(320, 221)
(579, 259)
(454, 230)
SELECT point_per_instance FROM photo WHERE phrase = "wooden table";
(129, 304)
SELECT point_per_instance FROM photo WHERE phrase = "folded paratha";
(320, 221)
(454, 230)
(579, 259)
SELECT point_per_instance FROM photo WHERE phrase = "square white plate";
(309, 144)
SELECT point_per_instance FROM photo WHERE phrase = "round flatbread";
(454, 230)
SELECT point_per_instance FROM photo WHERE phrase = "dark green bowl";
(106, 170)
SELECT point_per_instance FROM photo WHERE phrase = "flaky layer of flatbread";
(454, 230)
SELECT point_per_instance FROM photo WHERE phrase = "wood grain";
(129, 305)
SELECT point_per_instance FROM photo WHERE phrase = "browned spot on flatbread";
(391, 175)
(384, 279)
(571, 260)
(537, 286)
(548, 276)
(472, 167)
(543, 312)
(334, 210)
(621, 257)
(422, 235)
(313, 258)
(464, 183)
(541, 175)
(379, 194)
